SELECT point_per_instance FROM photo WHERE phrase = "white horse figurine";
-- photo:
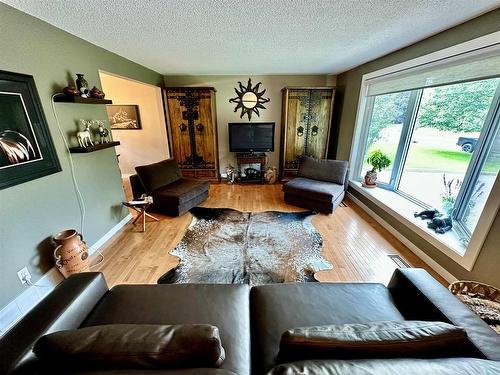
(84, 137)
(103, 132)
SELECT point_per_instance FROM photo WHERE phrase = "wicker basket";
(483, 299)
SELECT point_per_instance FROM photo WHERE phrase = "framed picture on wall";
(26, 148)
(124, 117)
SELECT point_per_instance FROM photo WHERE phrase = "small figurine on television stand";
(230, 174)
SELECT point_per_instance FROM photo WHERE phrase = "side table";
(141, 205)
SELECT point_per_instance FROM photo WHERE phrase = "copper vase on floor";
(71, 255)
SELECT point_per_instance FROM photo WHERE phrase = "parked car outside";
(467, 144)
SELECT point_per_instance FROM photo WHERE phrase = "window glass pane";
(448, 125)
(483, 185)
(384, 131)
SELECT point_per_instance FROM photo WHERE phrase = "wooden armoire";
(305, 126)
(192, 126)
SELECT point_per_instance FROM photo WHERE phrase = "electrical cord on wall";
(79, 196)
(81, 202)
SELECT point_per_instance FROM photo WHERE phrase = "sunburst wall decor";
(249, 99)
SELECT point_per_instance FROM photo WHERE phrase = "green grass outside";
(422, 158)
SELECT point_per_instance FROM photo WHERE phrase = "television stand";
(250, 154)
(251, 174)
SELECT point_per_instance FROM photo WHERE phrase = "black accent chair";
(172, 194)
(320, 185)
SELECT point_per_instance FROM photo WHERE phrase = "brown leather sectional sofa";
(251, 321)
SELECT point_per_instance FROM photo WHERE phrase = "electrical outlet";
(24, 275)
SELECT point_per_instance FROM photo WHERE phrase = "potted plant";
(378, 160)
(449, 196)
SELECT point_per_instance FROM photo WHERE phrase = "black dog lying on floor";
(427, 214)
(439, 222)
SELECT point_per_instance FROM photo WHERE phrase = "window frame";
(485, 142)
(364, 113)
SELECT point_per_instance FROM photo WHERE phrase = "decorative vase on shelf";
(82, 85)
(96, 93)
(71, 255)
(370, 180)
(81, 81)
(71, 92)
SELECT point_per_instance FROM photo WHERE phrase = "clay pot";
(71, 91)
(71, 255)
(96, 93)
(370, 180)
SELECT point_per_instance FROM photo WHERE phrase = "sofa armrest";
(346, 180)
(418, 296)
(66, 307)
(136, 185)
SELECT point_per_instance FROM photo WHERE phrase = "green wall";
(348, 84)
(31, 212)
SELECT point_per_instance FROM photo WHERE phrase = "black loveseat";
(251, 322)
(172, 194)
(320, 184)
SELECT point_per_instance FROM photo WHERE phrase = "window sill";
(403, 209)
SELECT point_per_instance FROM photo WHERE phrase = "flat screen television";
(251, 137)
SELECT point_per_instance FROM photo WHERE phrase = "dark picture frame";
(27, 150)
(124, 117)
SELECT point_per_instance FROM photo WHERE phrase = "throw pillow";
(323, 170)
(391, 339)
(132, 346)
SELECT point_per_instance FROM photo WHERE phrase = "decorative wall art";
(123, 117)
(249, 99)
(26, 148)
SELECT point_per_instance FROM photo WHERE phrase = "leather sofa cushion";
(224, 306)
(323, 170)
(183, 371)
(180, 191)
(406, 366)
(313, 189)
(388, 339)
(132, 346)
(156, 175)
(276, 308)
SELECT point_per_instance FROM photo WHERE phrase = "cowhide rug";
(226, 246)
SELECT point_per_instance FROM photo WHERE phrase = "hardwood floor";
(356, 245)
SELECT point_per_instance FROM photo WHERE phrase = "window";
(439, 124)
(447, 127)
(388, 113)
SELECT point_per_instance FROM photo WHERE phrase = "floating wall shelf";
(61, 98)
(97, 147)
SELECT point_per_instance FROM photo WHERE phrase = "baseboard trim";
(101, 241)
(410, 245)
(24, 302)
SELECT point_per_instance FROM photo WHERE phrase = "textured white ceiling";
(253, 36)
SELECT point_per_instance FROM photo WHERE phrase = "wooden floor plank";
(355, 244)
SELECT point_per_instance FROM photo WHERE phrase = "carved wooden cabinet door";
(305, 126)
(193, 130)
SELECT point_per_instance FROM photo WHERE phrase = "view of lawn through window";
(431, 136)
